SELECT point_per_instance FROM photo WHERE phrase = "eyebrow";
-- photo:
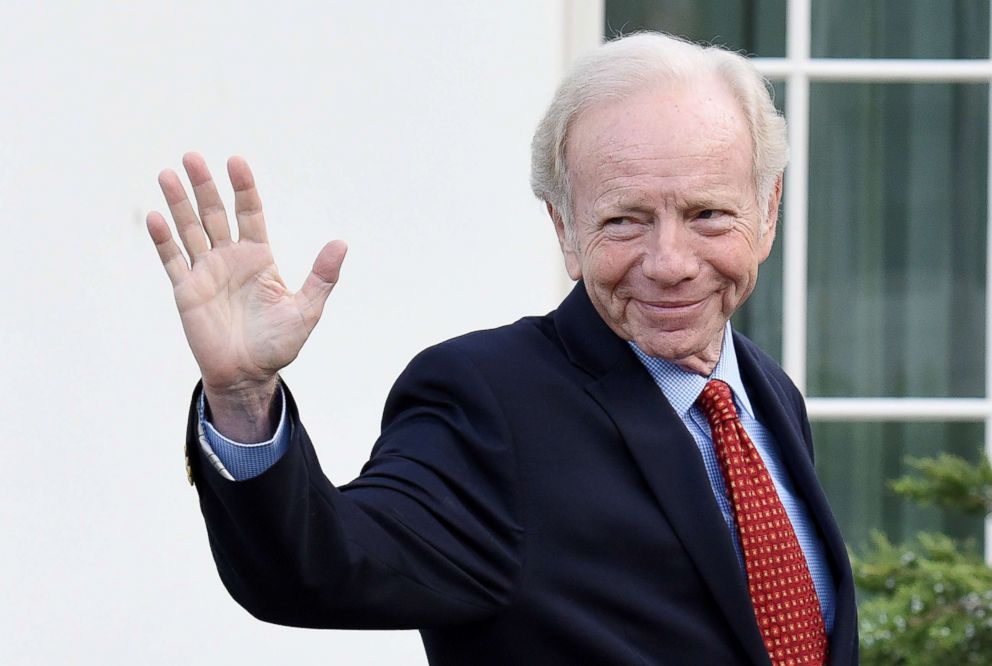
(704, 203)
(639, 203)
(624, 201)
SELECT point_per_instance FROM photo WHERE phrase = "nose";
(670, 256)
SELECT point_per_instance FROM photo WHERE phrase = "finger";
(321, 280)
(187, 224)
(247, 203)
(208, 201)
(172, 258)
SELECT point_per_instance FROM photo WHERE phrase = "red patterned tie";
(781, 587)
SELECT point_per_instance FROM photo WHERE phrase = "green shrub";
(929, 602)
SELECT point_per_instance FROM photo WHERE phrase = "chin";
(669, 351)
(672, 346)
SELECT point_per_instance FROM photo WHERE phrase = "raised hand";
(242, 324)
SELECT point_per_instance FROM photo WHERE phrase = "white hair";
(629, 64)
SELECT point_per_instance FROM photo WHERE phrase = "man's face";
(668, 229)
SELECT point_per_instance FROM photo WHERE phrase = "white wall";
(402, 127)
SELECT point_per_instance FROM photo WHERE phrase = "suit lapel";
(671, 465)
(771, 401)
(666, 455)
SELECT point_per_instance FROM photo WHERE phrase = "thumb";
(321, 280)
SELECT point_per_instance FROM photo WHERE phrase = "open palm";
(242, 323)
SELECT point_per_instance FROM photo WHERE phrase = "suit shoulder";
(527, 338)
(750, 354)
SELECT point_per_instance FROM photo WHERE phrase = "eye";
(623, 228)
(712, 221)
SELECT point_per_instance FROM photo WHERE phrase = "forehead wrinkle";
(647, 188)
(716, 156)
(637, 171)
(624, 198)
(720, 134)
(618, 167)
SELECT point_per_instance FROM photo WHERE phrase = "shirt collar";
(682, 387)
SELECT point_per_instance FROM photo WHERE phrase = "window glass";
(900, 29)
(754, 26)
(857, 461)
(897, 224)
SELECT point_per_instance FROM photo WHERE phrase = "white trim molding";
(898, 409)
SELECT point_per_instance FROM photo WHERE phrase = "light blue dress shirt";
(682, 388)
(236, 461)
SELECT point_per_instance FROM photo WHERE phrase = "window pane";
(754, 26)
(897, 233)
(761, 316)
(856, 462)
(900, 29)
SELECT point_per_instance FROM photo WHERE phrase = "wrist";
(247, 413)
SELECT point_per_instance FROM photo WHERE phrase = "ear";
(568, 250)
(771, 219)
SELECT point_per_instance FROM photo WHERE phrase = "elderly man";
(623, 481)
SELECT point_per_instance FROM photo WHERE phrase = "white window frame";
(583, 20)
(798, 69)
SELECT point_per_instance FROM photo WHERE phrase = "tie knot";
(717, 402)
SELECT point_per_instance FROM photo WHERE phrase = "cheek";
(740, 272)
(736, 257)
(607, 266)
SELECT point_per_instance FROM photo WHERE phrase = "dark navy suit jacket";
(533, 499)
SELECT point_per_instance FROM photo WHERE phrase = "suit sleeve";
(426, 536)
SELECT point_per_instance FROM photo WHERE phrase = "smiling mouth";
(670, 313)
(670, 306)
